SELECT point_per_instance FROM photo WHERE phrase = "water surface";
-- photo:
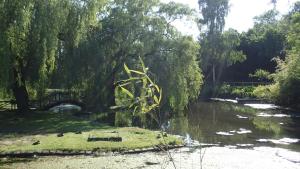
(240, 126)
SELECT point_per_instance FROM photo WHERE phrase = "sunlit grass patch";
(19, 134)
(131, 139)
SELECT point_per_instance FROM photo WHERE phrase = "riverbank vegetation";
(83, 45)
(271, 50)
(287, 75)
(69, 132)
(124, 62)
(101, 55)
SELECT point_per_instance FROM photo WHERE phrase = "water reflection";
(65, 108)
(233, 124)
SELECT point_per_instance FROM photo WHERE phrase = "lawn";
(19, 133)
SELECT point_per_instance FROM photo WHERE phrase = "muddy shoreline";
(213, 158)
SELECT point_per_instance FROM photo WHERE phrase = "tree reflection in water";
(233, 124)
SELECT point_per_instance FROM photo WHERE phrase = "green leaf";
(127, 80)
(143, 65)
(127, 92)
(124, 84)
(160, 96)
(150, 80)
(134, 111)
(157, 88)
(115, 107)
(127, 70)
(156, 99)
(137, 72)
(131, 105)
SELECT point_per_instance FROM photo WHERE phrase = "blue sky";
(240, 16)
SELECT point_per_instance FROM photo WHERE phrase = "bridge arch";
(73, 102)
(57, 97)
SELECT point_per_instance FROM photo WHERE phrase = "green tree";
(295, 9)
(267, 18)
(261, 44)
(288, 72)
(213, 15)
(131, 29)
(32, 36)
(218, 49)
(177, 71)
(225, 52)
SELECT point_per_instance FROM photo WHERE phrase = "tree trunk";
(20, 94)
(111, 88)
(111, 98)
(214, 74)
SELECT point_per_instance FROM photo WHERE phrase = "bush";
(5, 94)
(287, 76)
(269, 92)
(123, 119)
(261, 75)
(226, 90)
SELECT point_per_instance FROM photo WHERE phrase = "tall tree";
(219, 49)
(274, 2)
(213, 15)
(129, 29)
(226, 53)
(30, 38)
(213, 20)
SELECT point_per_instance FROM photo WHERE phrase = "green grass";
(235, 91)
(18, 134)
(44, 123)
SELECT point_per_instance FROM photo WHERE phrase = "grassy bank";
(235, 91)
(19, 134)
(227, 91)
(266, 92)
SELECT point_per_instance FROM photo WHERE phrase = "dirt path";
(184, 158)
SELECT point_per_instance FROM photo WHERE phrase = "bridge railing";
(52, 97)
(247, 83)
(56, 96)
(7, 105)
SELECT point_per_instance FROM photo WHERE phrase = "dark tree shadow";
(45, 123)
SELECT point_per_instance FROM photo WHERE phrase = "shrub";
(261, 75)
(269, 92)
(235, 91)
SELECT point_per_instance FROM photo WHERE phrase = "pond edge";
(96, 152)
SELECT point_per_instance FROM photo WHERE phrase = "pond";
(238, 126)
(236, 136)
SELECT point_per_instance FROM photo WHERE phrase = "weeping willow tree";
(129, 29)
(177, 71)
(33, 35)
